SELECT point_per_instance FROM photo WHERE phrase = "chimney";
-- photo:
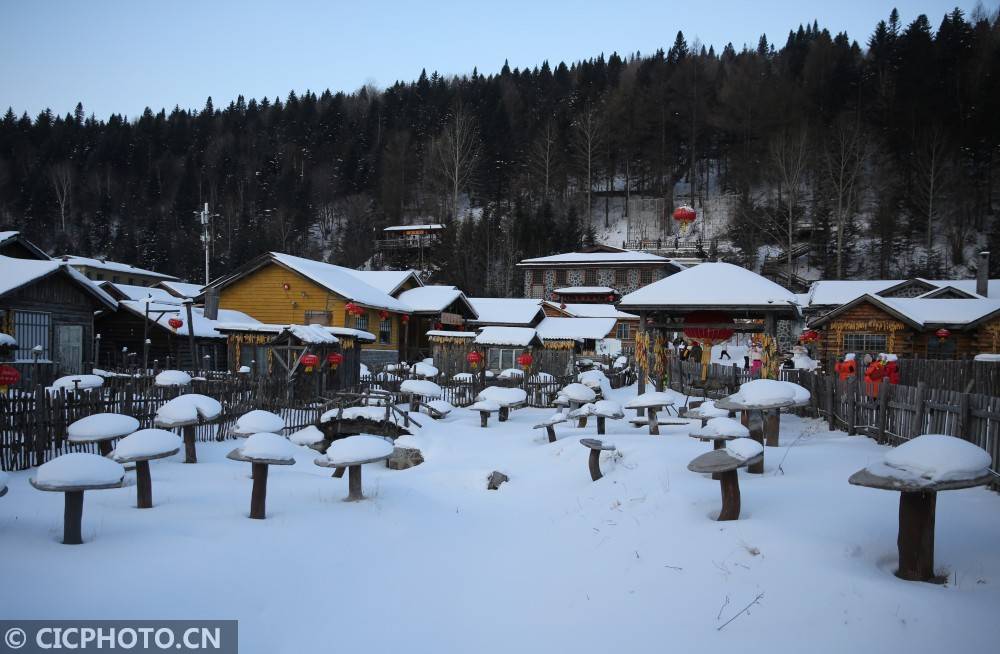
(212, 304)
(983, 274)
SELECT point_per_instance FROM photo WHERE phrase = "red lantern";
(942, 333)
(286, 286)
(405, 318)
(525, 360)
(334, 359)
(175, 323)
(709, 335)
(309, 361)
(9, 376)
(474, 358)
(684, 215)
(383, 314)
(353, 309)
(809, 336)
(611, 298)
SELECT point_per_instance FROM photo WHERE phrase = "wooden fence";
(33, 424)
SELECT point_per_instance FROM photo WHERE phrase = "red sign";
(9, 376)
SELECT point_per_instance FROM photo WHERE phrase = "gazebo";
(708, 303)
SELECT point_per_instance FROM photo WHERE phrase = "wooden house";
(49, 309)
(103, 270)
(432, 308)
(908, 327)
(282, 289)
(13, 244)
(506, 312)
(626, 324)
(594, 273)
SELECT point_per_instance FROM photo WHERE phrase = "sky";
(120, 57)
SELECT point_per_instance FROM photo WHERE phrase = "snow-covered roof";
(15, 273)
(711, 285)
(575, 328)
(517, 336)
(449, 334)
(404, 228)
(6, 236)
(181, 289)
(203, 327)
(593, 290)
(433, 299)
(926, 312)
(505, 310)
(387, 281)
(597, 257)
(272, 328)
(131, 292)
(580, 310)
(342, 281)
(836, 292)
(312, 334)
(111, 266)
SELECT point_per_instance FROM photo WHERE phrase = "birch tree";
(586, 144)
(61, 177)
(843, 162)
(457, 151)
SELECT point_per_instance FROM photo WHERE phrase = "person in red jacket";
(846, 368)
(892, 368)
(873, 375)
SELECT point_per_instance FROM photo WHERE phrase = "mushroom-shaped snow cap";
(358, 449)
(764, 393)
(173, 378)
(503, 396)
(577, 392)
(147, 444)
(258, 420)
(511, 373)
(937, 458)
(554, 419)
(707, 409)
(420, 387)
(425, 369)
(651, 399)
(607, 409)
(485, 405)
(79, 469)
(802, 395)
(187, 410)
(593, 378)
(101, 425)
(307, 436)
(267, 446)
(583, 411)
(722, 428)
(744, 449)
(71, 382)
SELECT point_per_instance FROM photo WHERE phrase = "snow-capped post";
(73, 474)
(725, 463)
(101, 428)
(187, 412)
(919, 469)
(351, 453)
(549, 424)
(262, 450)
(654, 401)
(594, 460)
(140, 448)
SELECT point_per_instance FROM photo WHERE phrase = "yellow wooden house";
(282, 289)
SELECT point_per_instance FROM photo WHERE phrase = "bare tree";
(61, 177)
(457, 151)
(932, 172)
(843, 161)
(789, 157)
(586, 143)
(543, 157)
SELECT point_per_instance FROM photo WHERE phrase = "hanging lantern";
(708, 336)
(438, 326)
(310, 361)
(405, 318)
(175, 323)
(942, 333)
(809, 336)
(383, 314)
(9, 376)
(334, 359)
(684, 215)
(286, 286)
(474, 358)
(525, 360)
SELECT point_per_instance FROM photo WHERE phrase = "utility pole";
(204, 216)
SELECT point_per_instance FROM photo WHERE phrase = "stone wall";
(576, 277)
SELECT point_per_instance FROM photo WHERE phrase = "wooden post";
(143, 485)
(831, 416)
(194, 357)
(918, 419)
(190, 451)
(594, 463)
(354, 484)
(504, 413)
(484, 416)
(551, 431)
(756, 427)
(883, 411)
(73, 518)
(258, 497)
(642, 368)
(916, 535)
(772, 425)
(654, 423)
(600, 425)
(729, 482)
(964, 418)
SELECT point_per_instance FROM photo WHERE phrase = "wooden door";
(69, 349)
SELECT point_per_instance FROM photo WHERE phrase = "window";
(940, 348)
(874, 343)
(590, 278)
(560, 277)
(537, 276)
(98, 276)
(500, 358)
(31, 328)
(361, 322)
(317, 318)
(621, 278)
(385, 331)
(621, 331)
(646, 277)
(114, 279)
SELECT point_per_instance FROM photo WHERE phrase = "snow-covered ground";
(434, 562)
